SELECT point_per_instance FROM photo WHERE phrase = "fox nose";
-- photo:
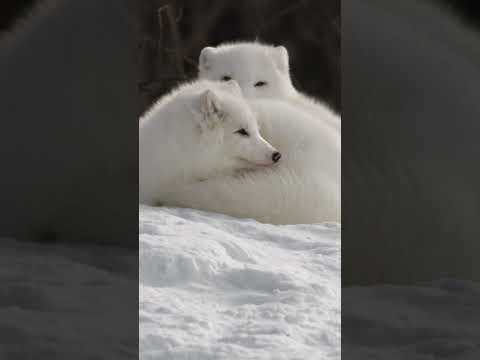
(276, 156)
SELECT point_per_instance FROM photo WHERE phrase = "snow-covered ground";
(216, 287)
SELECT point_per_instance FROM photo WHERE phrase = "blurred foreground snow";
(431, 320)
(62, 301)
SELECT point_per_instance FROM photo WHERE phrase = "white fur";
(251, 62)
(304, 187)
(190, 135)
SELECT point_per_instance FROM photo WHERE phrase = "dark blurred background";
(410, 179)
(410, 149)
(174, 31)
(69, 179)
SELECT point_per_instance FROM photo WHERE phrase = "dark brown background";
(174, 31)
(174, 36)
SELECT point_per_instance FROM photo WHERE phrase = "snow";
(217, 287)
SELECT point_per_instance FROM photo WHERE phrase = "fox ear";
(205, 59)
(208, 110)
(210, 103)
(280, 56)
(232, 87)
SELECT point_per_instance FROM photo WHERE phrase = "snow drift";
(216, 287)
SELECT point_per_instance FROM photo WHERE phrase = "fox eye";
(226, 78)
(260, 83)
(242, 132)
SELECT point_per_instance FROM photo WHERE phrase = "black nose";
(276, 156)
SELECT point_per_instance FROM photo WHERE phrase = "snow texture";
(217, 287)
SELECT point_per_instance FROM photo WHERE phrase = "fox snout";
(276, 156)
(272, 158)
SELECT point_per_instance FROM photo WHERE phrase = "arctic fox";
(304, 187)
(262, 71)
(201, 130)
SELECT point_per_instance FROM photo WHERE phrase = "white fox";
(262, 71)
(303, 187)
